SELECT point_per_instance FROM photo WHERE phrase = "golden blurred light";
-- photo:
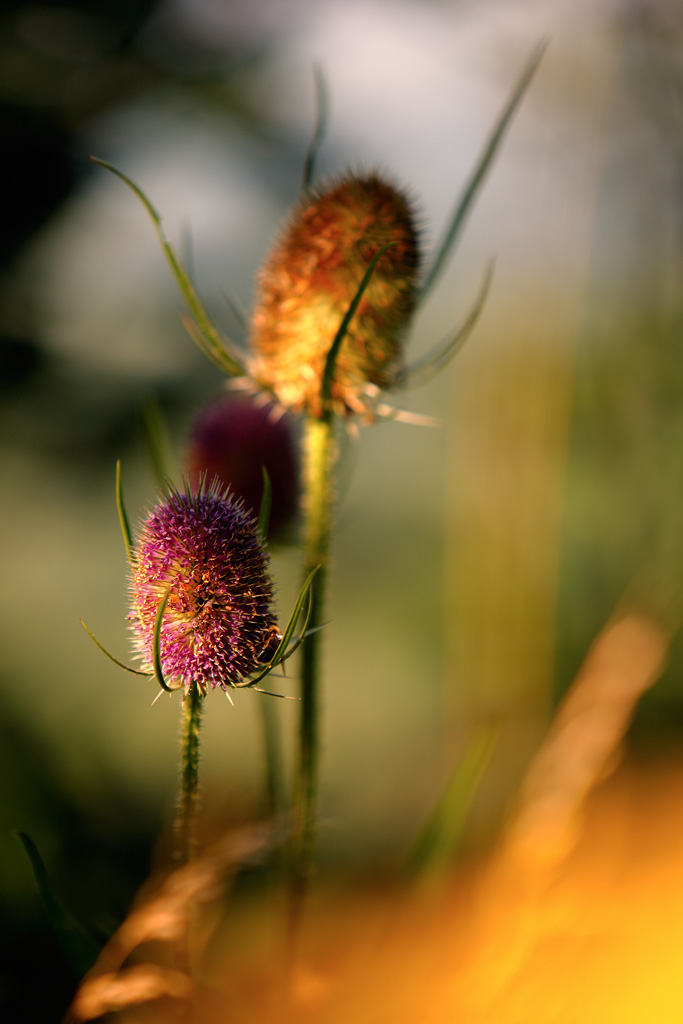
(575, 918)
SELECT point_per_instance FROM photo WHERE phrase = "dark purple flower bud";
(231, 440)
(204, 550)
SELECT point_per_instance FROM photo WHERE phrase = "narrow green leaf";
(288, 633)
(319, 131)
(127, 668)
(220, 347)
(429, 365)
(158, 445)
(330, 362)
(123, 518)
(294, 617)
(80, 950)
(438, 841)
(303, 632)
(477, 178)
(264, 512)
(156, 643)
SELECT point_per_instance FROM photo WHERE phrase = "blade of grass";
(477, 177)
(79, 949)
(438, 841)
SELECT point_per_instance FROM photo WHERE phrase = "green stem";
(271, 743)
(319, 458)
(188, 802)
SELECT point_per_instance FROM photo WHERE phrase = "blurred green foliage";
(85, 769)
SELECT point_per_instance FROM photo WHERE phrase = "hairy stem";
(319, 459)
(188, 801)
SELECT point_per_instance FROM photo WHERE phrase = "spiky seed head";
(205, 547)
(231, 440)
(309, 280)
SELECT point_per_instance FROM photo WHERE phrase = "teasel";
(202, 612)
(307, 285)
(335, 300)
(232, 440)
(200, 554)
(339, 287)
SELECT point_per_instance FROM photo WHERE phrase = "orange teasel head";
(337, 291)
(308, 282)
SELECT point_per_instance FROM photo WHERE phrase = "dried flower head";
(308, 282)
(231, 440)
(333, 301)
(203, 550)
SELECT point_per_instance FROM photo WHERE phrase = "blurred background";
(475, 562)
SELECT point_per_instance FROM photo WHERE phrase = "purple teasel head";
(232, 440)
(202, 550)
